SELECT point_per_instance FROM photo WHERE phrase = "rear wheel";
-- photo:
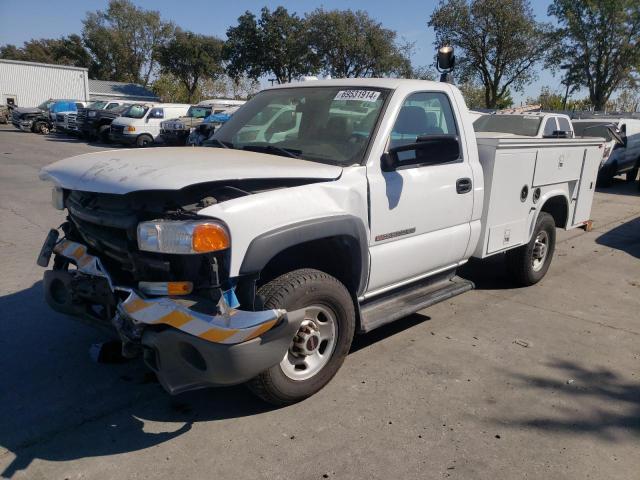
(529, 263)
(144, 141)
(321, 344)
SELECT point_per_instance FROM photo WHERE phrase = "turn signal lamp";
(166, 288)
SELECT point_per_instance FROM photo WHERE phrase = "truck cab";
(258, 258)
(526, 124)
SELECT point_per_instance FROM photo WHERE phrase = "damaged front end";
(193, 336)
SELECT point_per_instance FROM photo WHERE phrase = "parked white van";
(140, 124)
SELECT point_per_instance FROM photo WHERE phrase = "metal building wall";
(33, 83)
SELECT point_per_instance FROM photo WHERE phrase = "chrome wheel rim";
(313, 344)
(540, 251)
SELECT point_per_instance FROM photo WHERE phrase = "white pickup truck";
(258, 261)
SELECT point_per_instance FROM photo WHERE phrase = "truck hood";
(23, 110)
(165, 168)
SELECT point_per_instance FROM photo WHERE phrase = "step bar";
(404, 301)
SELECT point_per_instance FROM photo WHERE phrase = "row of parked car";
(128, 123)
(621, 151)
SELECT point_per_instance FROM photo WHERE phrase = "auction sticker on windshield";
(362, 95)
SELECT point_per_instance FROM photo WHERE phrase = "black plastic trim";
(266, 246)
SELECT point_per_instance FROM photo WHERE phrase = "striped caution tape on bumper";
(235, 326)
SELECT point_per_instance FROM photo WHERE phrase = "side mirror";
(428, 150)
(615, 134)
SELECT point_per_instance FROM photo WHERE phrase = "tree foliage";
(275, 44)
(498, 42)
(601, 40)
(125, 41)
(59, 51)
(350, 43)
(190, 58)
(474, 96)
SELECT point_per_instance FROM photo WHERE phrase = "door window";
(423, 114)
(156, 113)
(565, 126)
(550, 127)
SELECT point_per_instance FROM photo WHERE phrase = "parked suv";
(618, 158)
(95, 120)
(140, 124)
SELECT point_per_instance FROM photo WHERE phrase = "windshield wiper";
(285, 152)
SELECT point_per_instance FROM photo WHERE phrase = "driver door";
(420, 213)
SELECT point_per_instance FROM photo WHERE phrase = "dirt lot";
(499, 383)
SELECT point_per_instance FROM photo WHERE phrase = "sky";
(23, 20)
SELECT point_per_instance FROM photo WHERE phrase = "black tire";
(42, 128)
(632, 174)
(520, 261)
(144, 141)
(103, 133)
(292, 291)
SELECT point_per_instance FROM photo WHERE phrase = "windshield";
(326, 124)
(198, 112)
(135, 111)
(526, 125)
(97, 105)
(45, 105)
(592, 129)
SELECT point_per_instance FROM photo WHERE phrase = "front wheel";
(321, 344)
(529, 263)
(144, 141)
(42, 128)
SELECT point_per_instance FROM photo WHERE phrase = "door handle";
(463, 185)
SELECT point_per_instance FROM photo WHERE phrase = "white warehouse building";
(28, 84)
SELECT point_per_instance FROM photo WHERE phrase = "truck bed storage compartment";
(515, 168)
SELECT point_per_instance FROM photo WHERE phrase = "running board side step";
(403, 302)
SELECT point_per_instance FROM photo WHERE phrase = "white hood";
(130, 170)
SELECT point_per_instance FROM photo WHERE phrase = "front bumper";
(187, 349)
(122, 138)
(24, 125)
(174, 136)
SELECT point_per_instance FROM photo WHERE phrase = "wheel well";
(557, 207)
(338, 256)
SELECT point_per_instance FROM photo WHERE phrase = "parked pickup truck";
(528, 124)
(94, 122)
(258, 261)
(176, 131)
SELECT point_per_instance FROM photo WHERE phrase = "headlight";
(178, 126)
(182, 237)
(92, 114)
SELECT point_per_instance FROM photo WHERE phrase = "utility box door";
(587, 187)
(558, 165)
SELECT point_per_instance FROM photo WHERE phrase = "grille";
(59, 118)
(117, 129)
(81, 117)
(72, 121)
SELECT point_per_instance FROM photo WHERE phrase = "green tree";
(498, 42)
(59, 51)
(601, 41)
(125, 41)
(276, 44)
(547, 100)
(191, 58)
(352, 44)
